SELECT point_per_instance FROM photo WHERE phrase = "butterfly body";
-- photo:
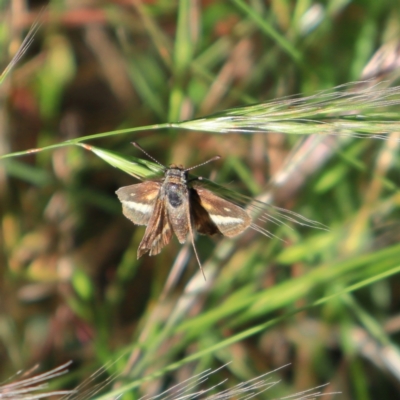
(174, 194)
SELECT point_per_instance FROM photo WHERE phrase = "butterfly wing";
(201, 219)
(260, 211)
(229, 218)
(138, 201)
(158, 232)
(142, 205)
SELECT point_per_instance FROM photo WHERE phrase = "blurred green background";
(71, 288)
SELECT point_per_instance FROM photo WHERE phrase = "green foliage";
(190, 80)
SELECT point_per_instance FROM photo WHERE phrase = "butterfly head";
(176, 173)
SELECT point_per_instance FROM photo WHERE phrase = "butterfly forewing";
(138, 201)
(260, 212)
(227, 217)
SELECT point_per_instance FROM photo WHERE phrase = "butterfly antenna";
(205, 162)
(147, 154)
(192, 240)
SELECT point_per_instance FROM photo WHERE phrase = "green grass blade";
(139, 168)
(269, 30)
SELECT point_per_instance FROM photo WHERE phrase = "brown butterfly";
(179, 204)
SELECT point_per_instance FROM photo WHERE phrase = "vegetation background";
(324, 301)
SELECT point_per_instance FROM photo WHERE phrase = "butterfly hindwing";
(201, 220)
(158, 232)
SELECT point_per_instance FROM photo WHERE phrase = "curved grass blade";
(78, 141)
(355, 109)
(139, 168)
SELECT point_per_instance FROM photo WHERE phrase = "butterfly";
(180, 204)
